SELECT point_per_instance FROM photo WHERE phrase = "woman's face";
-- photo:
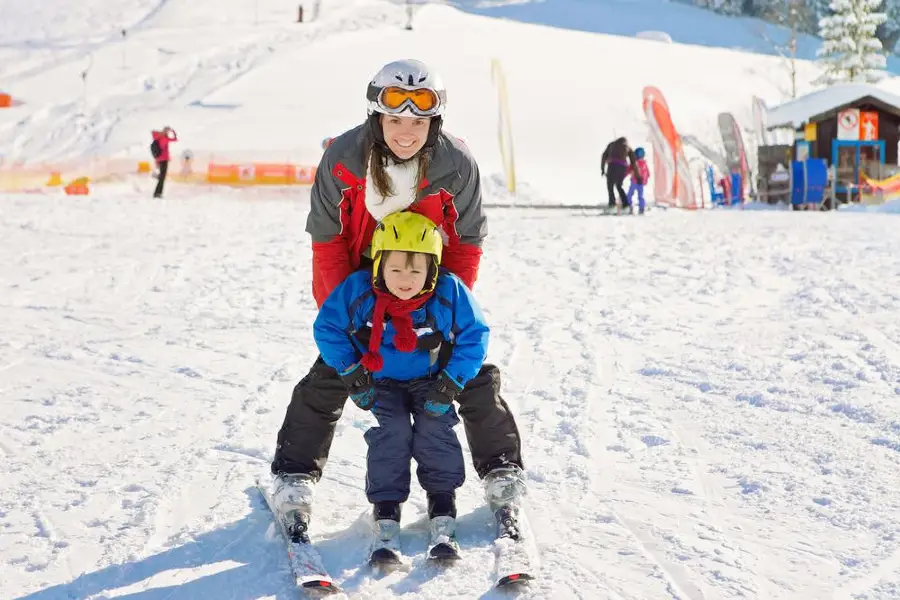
(405, 273)
(405, 135)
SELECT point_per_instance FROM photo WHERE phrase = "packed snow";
(707, 399)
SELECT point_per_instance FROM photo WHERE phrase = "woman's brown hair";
(377, 160)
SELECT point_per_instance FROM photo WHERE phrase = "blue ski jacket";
(452, 312)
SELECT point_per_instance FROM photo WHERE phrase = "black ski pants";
(161, 181)
(615, 177)
(318, 401)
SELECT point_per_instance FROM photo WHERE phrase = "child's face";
(405, 273)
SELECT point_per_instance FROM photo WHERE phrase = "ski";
(515, 562)
(442, 545)
(444, 553)
(385, 559)
(384, 555)
(306, 563)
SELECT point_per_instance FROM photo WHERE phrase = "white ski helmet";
(406, 87)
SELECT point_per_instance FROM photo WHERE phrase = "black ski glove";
(360, 386)
(442, 394)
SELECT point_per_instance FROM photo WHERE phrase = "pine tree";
(850, 51)
(889, 33)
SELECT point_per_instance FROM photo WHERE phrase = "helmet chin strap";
(374, 121)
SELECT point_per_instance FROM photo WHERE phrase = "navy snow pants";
(406, 431)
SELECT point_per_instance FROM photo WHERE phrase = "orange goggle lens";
(394, 97)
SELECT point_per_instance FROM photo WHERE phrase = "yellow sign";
(809, 132)
(504, 126)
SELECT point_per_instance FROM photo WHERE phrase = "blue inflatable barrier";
(737, 188)
(714, 196)
(809, 181)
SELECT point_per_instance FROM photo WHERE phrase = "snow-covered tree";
(889, 33)
(850, 51)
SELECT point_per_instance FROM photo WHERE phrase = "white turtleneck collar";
(404, 178)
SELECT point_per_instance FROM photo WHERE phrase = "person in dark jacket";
(389, 368)
(161, 141)
(614, 164)
(398, 159)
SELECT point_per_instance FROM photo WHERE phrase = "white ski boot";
(293, 498)
(504, 489)
(443, 545)
(385, 552)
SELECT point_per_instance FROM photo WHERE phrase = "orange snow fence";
(78, 187)
(20, 177)
(260, 174)
(5, 100)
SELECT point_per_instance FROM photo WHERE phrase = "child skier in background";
(639, 178)
(386, 333)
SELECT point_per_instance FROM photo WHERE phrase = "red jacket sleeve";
(331, 265)
(327, 225)
(462, 260)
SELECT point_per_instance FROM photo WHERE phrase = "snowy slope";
(694, 427)
(707, 401)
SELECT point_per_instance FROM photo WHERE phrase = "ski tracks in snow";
(772, 495)
(565, 364)
(83, 122)
(622, 417)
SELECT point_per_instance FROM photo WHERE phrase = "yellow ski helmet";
(408, 232)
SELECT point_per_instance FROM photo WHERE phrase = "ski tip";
(385, 561)
(321, 587)
(444, 560)
(514, 579)
(384, 555)
(444, 553)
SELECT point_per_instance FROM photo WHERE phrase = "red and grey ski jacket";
(341, 226)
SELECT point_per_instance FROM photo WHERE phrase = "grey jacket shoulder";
(349, 149)
(453, 168)
(451, 160)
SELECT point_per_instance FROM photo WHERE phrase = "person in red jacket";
(160, 150)
(398, 159)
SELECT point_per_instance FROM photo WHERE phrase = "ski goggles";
(423, 101)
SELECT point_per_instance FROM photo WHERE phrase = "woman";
(614, 164)
(398, 159)
(160, 150)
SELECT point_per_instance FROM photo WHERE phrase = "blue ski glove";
(360, 386)
(441, 395)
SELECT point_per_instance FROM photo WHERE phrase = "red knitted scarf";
(405, 338)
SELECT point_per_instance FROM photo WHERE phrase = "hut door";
(847, 158)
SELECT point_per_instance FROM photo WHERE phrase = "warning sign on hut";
(855, 125)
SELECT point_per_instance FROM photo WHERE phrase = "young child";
(387, 334)
(638, 179)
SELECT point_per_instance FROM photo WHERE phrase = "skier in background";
(399, 368)
(614, 164)
(159, 148)
(639, 178)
